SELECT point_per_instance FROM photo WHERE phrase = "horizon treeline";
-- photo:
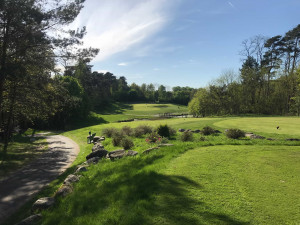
(267, 82)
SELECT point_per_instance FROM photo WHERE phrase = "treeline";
(102, 89)
(267, 83)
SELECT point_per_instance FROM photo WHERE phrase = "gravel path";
(23, 184)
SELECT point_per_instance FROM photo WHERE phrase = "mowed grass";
(236, 185)
(287, 125)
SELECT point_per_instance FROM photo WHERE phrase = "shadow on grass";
(116, 108)
(91, 120)
(127, 192)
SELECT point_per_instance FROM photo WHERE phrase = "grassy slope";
(207, 185)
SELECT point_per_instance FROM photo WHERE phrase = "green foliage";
(207, 130)
(127, 143)
(142, 130)
(235, 133)
(153, 138)
(109, 132)
(187, 136)
(163, 131)
(126, 130)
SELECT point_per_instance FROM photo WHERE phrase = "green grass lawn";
(215, 181)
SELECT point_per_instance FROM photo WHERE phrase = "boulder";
(181, 130)
(98, 153)
(42, 204)
(71, 179)
(94, 160)
(33, 219)
(217, 132)
(81, 169)
(97, 147)
(197, 131)
(165, 145)
(131, 153)
(117, 154)
(64, 190)
(149, 150)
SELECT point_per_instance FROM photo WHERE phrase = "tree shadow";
(116, 108)
(127, 192)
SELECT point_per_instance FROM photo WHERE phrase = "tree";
(28, 51)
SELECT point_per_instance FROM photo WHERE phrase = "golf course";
(210, 179)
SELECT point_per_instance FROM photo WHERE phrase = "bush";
(235, 133)
(202, 138)
(187, 136)
(163, 131)
(207, 130)
(126, 130)
(109, 132)
(172, 131)
(117, 138)
(153, 138)
(127, 143)
(142, 130)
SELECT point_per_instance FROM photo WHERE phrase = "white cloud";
(232, 5)
(123, 64)
(116, 26)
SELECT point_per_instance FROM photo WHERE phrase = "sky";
(178, 42)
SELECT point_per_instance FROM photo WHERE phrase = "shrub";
(109, 132)
(187, 136)
(202, 138)
(126, 130)
(142, 130)
(235, 133)
(207, 130)
(163, 140)
(117, 138)
(127, 143)
(166, 131)
(163, 131)
(153, 138)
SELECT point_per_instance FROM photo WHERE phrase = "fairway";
(287, 125)
(155, 109)
(236, 185)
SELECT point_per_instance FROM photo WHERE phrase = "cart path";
(23, 184)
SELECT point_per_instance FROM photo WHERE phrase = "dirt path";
(23, 184)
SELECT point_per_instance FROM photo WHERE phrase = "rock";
(81, 169)
(217, 132)
(71, 179)
(149, 150)
(292, 139)
(181, 130)
(98, 153)
(254, 136)
(96, 139)
(131, 153)
(248, 135)
(270, 139)
(117, 154)
(197, 131)
(64, 190)
(165, 145)
(42, 204)
(97, 146)
(33, 219)
(94, 160)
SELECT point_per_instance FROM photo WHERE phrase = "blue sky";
(179, 42)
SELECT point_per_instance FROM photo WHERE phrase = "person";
(89, 138)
